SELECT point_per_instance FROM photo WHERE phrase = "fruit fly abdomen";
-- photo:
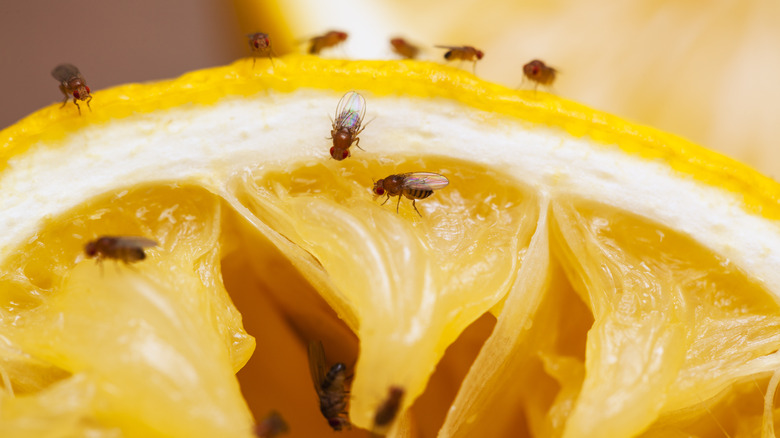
(72, 83)
(350, 112)
(414, 185)
(331, 387)
(128, 249)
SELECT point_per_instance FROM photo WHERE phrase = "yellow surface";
(595, 321)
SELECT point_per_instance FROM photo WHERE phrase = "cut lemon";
(579, 276)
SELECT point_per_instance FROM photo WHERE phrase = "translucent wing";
(424, 181)
(350, 111)
(65, 72)
(317, 365)
(134, 242)
(449, 47)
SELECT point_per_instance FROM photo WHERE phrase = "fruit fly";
(387, 411)
(331, 386)
(128, 249)
(464, 53)
(260, 45)
(271, 426)
(72, 83)
(404, 48)
(539, 73)
(349, 116)
(330, 39)
(414, 185)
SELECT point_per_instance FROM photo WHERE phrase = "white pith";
(207, 144)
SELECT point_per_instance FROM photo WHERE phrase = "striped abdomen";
(417, 193)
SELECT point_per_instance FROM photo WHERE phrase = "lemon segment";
(409, 280)
(168, 327)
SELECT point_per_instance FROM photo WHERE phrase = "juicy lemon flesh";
(639, 329)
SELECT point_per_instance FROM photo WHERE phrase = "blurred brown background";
(707, 70)
(111, 42)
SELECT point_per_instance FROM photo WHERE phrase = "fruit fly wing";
(350, 111)
(448, 47)
(135, 242)
(317, 365)
(65, 72)
(424, 181)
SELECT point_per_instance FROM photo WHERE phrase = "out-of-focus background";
(708, 70)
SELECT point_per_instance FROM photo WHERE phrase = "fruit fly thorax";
(393, 184)
(335, 377)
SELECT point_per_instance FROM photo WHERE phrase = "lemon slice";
(605, 279)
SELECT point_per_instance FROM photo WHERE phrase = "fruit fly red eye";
(88, 90)
(344, 155)
(379, 191)
(76, 94)
(480, 54)
(332, 151)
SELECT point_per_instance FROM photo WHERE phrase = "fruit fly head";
(379, 187)
(479, 53)
(259, 41)
(91, 248)
(338, 154)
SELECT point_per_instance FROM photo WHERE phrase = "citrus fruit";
(579, 276)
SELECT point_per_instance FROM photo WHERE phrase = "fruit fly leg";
(399, 203)
(88, 101)
(64, 93)
(415, 208)
(474, 68)
(75, 102)
(386, 199)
